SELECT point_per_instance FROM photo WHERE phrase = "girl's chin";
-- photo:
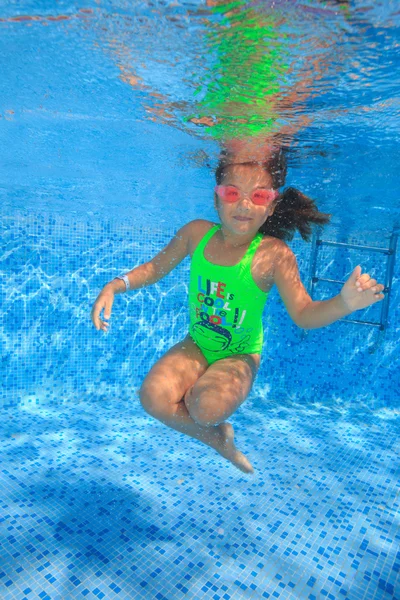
(242, 226)
(248, 224)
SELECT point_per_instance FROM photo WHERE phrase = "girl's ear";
(271, 209)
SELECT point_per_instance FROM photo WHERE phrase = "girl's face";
(243, 217)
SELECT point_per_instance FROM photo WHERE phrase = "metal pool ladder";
(390, 252)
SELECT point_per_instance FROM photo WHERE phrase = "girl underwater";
(203, 379)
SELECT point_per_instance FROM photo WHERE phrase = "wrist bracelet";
(126, 281)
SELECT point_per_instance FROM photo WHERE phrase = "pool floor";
(101, 501)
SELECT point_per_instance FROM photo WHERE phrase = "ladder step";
(355, 246)
(315, 279)
(380, 325)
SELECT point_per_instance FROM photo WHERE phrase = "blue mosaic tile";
(118, 506)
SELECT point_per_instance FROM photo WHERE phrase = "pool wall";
(53, 267)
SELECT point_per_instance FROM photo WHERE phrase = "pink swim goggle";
(260, 196)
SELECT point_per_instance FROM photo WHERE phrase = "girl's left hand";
(361, 291)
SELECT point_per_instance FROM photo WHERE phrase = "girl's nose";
(246, 200)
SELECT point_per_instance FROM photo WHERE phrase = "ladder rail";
(389, 278)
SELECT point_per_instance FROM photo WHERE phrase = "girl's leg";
(163, 389)
(218, 393)
(170, 386)
(222, 388)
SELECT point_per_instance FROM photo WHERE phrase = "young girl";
(204, 378)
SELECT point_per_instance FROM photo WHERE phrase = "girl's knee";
(206, 419)
(203, 410)
(157, 399)
(150, 400)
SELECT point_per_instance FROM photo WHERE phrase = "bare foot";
(228, 450)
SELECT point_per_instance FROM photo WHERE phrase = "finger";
(364, 278)
(377, 288)
(104, 326)
(370, 285)
(95, 318)
(374, 289)
(355, 274)
(96, 315)
(365, 284)
(107, 311)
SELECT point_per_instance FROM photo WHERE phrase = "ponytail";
(293, 211)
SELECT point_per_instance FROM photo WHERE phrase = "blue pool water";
(102, 162)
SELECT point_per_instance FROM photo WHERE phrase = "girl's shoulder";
(197, 230)
(273, 246)
(200, 225)
(274, 251)
(269, 255)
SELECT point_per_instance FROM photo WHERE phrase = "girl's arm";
(159, 266)
(358, 292)
(145, 274)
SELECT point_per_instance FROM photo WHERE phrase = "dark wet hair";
(294, 211)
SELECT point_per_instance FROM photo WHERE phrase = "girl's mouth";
(242, 218)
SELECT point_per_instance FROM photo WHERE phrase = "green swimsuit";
(225, 304)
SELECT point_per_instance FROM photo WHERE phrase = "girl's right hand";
(104, 301)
